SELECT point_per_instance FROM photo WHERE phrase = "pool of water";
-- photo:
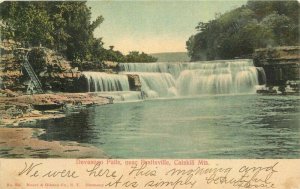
(228, 126)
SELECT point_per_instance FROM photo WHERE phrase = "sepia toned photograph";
(150, 79)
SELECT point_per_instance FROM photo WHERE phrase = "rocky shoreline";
(19, 142)
(24, 143)
(26, 108)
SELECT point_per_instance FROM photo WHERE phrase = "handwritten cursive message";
(173, 174)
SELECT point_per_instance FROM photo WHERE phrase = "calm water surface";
(240, 126)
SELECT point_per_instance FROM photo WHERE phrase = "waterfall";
(182, 79)
(196, 78)
(160, 67)
(100, 81)
(218, 78)
(262, 78)
(157, 84)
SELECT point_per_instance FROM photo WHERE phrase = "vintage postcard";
(150, 94)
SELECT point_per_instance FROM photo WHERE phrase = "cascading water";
(100, 81)
(218, 78)
(262, 78)
(195, 78)
(182, 79)
(156, 84)
(160, 67)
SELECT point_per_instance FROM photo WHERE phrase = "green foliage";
(237, 33)
(115, 56)
(27, 22)
(65, 26)
(135, 56)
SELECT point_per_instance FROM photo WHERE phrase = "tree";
(283, 28)
(79, 28)
(239, 32)
(65, 26)
(27, 22)
(135, 56)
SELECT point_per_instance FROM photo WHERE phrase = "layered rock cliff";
(281, 64)
(53, 70)
(10, 69)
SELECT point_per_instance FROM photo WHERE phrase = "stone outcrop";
(53, 70)
(134, 82)
(281, 64)
(43, 59)
(10, 69)
(23, 107)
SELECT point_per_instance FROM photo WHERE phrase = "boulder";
(134, 82)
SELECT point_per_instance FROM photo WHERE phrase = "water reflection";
(75, 127)
(246, 126)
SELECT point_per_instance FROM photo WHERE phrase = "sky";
(154, 26)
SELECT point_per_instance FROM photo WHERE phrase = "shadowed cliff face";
(281, 64)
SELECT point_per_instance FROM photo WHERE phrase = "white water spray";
(182, 79)
(100, 81)
(196, 78)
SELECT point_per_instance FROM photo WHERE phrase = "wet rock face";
(279, 74)
(82, 85)
(281, 64)
(134, 82)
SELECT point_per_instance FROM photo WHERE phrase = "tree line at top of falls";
(237, 33)
(64, 26)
